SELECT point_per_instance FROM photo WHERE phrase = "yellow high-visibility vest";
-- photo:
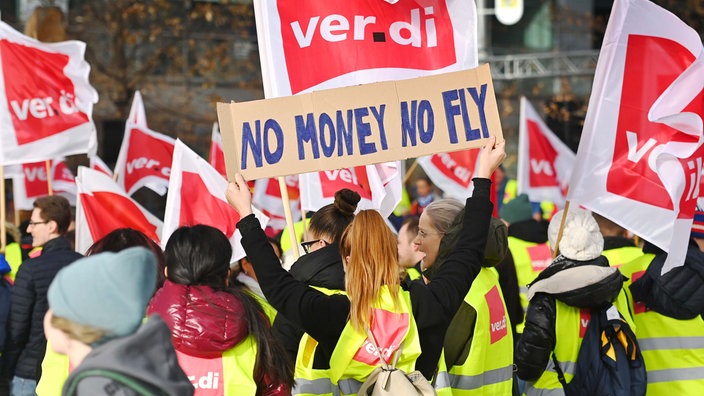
(673, 350)
(488, 369)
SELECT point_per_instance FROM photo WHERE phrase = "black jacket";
(535, 346)
(679, 293)
(434, 305)
(322, 268)
(25, 343)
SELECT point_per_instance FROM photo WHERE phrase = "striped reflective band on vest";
(567, 367)
(658, 343)
(530, 390)
(320, 386)
(442, 380)
(469, 382)
(677, 374)
(349, 386)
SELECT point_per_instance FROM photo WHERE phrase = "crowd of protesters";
(477, 305)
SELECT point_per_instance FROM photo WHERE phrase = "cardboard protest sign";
(359, 125)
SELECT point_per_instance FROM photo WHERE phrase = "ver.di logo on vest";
(498, 326)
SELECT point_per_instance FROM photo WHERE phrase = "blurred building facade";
(186, 55)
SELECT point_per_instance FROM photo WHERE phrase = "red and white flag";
(96, 163)
(544, 162)
(217, 155)
(103, 207)
(452, 172)
(267, 198)
(640, 155)
(46, 100)
(145, 155)
(391, 175)
(361, 41)
(138, 115)
(197, 196)
(318, 188)
(33, 183)
(12, 171)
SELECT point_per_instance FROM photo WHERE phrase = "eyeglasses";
(422, 234)
(307, 244)
(33, 223)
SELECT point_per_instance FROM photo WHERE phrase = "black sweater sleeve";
(323, 317)
(435, 304)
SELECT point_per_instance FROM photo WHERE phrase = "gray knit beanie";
(108, 291)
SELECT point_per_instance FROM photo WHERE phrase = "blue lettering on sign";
(379, 116)
(305, 132)
(326, 123)
(422, 118)
(273, 157)
(253, 142)
(363, 130)
(344, 133)
(450, 112)
(408, 123)
(426, 129)
(469, 133)
(480, 100)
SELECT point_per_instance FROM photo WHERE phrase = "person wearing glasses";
(409, 322)
(26, 342)
(321, 267)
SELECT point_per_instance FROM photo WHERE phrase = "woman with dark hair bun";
(321, 266)
(220, 333)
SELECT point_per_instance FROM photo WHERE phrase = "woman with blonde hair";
(409, 321)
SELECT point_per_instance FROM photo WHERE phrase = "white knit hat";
(581, 238)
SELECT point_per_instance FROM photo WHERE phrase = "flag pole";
(556, 250)
(49, 176)
(409, 172)
(289, 216)
(3, 234)
(304, 236)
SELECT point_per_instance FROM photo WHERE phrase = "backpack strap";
(558, 370)
(131, 383)
(384, 364)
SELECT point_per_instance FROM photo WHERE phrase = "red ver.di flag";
(544, 162)
(451, 172)
(318, 188)
(361, 41)
(267, 198)
(197, 196)
(640, 157)
(103, 207)
(46, 100)
(32, 183)
(145, 155)
(217, 156)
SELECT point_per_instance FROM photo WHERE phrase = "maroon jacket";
(203, 322)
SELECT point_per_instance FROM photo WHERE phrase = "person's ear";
(166, 272)
(53, 227)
